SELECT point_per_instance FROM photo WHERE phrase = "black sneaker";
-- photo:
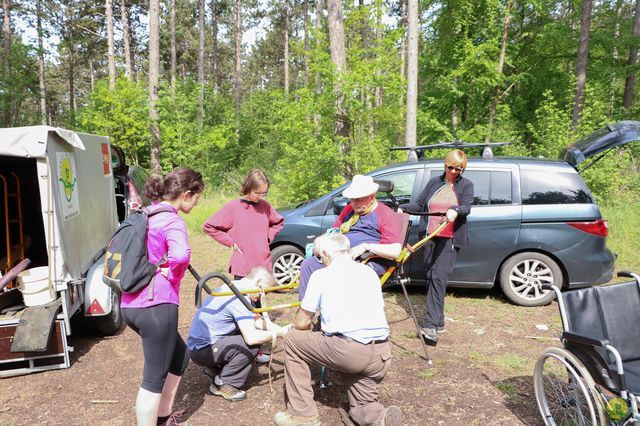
(429, 335)
(228, 392)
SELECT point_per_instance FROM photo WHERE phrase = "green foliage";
(121, 114)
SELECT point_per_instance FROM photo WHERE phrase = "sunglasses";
(452, 168)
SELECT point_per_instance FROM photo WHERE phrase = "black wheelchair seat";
(608, 315)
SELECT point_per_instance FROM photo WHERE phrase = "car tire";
(286, 260)
(111, 323)
(522, 274)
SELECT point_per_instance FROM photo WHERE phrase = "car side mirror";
(339, 203)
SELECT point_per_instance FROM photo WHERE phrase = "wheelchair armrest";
(584, 340)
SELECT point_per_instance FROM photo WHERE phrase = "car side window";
(489, 187)
(543, 187)
(500, 187)
(402, 186)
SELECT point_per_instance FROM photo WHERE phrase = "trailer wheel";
(110, 324)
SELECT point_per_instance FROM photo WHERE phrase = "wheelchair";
(594, 379)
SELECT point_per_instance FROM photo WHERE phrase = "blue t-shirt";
(217, 318)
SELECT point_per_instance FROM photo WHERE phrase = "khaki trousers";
(362, 366)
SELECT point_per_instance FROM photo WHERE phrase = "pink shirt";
(251, 226)
(167, 234)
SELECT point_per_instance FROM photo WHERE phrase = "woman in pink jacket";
(247, 224)
(155, 317)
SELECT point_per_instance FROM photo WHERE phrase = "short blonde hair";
(456, 158)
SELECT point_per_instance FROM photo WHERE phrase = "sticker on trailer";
(106, 159)
(68, 184)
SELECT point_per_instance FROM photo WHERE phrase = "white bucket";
(34, 285)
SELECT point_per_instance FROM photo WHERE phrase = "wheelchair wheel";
(565, 392)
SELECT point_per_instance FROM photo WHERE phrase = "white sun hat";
(361, 186)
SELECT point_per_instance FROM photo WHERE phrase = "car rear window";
(544, 187)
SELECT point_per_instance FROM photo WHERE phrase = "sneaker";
(392, 416)
(429, 335)
(228, 392)
(283, 418)
(441, 330)
(263, 358)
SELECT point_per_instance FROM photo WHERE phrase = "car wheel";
(286, 262)
(523, 274)
(111, 323)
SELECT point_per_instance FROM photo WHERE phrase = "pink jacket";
(251, 226)
(167, 234)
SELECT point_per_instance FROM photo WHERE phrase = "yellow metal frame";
(405, 254)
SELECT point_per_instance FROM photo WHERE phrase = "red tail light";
(598, 227)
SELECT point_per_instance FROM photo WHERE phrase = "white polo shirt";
(349, 297)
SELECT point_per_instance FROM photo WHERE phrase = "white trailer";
(59, 211)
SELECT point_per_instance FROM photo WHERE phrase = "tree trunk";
(403, 42)
(7, 58)
(581, 68)
(111, 58)
(132, 46)
(412, 72)
(214, 48)
(503, 51)
(174, 61)
(72, 88)
(238, 76)
(92, 75)
(342, 128)
(305, 12)
(318, 82)
(286, 48)
(126, 39)
(378, 91)
(41, 69)
(200, 117)
(630, 82)
(154, 76)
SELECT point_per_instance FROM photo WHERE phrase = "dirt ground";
(481, 373)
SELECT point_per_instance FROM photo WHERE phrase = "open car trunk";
(597, 144)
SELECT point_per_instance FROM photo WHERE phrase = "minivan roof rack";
(417, 152)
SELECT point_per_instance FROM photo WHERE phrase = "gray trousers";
(362, 366)
(231, 356)
(440, 257)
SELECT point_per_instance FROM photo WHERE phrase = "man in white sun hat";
(369, 225)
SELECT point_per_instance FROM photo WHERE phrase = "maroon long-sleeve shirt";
(251, 226)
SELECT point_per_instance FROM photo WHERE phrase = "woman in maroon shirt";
(247, 224)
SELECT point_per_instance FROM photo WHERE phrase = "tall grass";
(209, 203)
(624, 232)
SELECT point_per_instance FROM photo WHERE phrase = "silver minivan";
(533, 221)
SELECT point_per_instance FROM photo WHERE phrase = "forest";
(317, 91)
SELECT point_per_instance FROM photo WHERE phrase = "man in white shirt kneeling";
(354, 339)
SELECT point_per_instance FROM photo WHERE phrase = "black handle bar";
(202, 283)
(625, 274)
(425, 213)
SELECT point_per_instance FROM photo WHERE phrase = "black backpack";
(126, 265)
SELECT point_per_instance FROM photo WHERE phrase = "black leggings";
(163, 348)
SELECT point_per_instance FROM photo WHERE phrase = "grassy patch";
(508, 389)
(624, 232)
(476, 356)
(512, 363)
(427, 374)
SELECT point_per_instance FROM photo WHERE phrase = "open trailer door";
(597, 144)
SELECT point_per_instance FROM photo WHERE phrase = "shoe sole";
(428, 340)
(393, 416)
(232, 399)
